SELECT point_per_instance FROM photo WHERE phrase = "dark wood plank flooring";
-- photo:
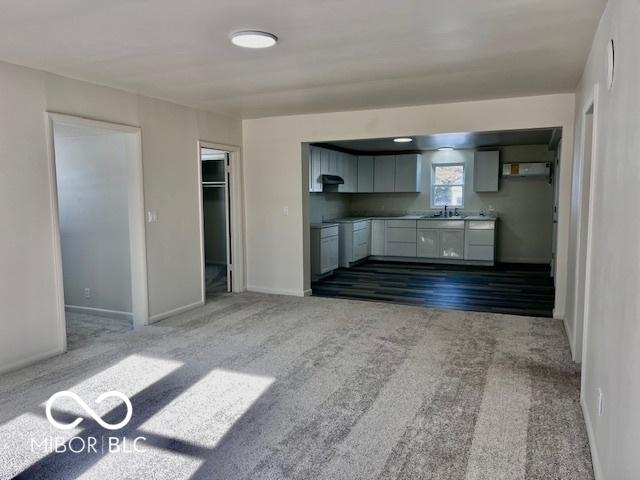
(519, 289)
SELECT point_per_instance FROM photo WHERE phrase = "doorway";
(583, 199)
(97, 173)
(215, 174)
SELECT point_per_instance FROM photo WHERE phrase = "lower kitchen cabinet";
(428, 243)
(451, 244)
(355, 241)
(377, 237)
(324, 249)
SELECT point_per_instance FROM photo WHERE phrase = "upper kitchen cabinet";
(486, 171)
(365, 174)
(408, 173)
(348, 170)
(315, 169)
(384, 173)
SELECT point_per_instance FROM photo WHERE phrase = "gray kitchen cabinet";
(315, 169)
(348, 170)
(384, 173)
(428, 243)
(355, 238)
(451, 244)
(408, 173)
(486, 171)
(400, 238)
(365, 174)
(377, 237)
(324, 249)
(480, 240)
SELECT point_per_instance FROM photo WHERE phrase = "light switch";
(152, 216)
(285, 211)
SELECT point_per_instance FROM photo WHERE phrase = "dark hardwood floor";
(519, 289)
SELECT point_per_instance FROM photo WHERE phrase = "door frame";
(137, 232)
(236, 215)
(584, 252)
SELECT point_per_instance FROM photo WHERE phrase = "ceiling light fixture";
(403, 140)
(445, 149)
(253, 39)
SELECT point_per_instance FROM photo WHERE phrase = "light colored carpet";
(84, 329)
(268, 387)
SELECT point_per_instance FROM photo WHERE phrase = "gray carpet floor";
(84, 329)
(267, 387)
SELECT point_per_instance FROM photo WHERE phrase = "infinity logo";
(89, 410)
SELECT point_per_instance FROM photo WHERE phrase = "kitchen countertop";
(411, 217)
(324, 225)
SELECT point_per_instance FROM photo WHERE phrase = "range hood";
(331, 180)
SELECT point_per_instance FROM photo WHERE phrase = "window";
(447, 185)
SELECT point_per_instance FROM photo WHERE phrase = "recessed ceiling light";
(253, 39)
(445, 149)
(403, 140)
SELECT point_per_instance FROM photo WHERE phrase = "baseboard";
(569, 333)
(306, 293)
(543, 261)
(31, 360)
(176, 311)
(595, 458)
(100, 312)
(278, 291)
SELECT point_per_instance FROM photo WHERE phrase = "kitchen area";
(460, 221)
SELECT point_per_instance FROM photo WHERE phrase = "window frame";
(433, 182)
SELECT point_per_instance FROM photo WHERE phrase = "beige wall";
(28, 308)
(277, 244)
(611, 356)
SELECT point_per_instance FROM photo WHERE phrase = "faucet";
(445, 210)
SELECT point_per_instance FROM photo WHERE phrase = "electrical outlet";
(285, 211)
(152, 216)
(87, 293)
(600, 402)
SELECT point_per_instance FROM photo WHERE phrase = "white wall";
(28, 305)
(277, 244)
(92, 178)
(611, 360)
(524, 205)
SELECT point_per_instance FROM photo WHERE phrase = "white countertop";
(410, 217)
(324, 225)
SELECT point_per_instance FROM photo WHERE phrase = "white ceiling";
(332, 54)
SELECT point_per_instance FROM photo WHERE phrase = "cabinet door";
(428, 245)
(377, 237)
(360, 243)
(328, 254)
(324, 162)
(486, 170)
(408, 173)
(384, 173)
(365, 174)
(333, 162)
(352, 173)
(315, 169)
(451, 243)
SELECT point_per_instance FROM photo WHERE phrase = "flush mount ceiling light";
(445, 149)
(253, 39)
(403, 140)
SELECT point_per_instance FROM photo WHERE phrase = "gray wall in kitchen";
(325, 206)
(524, 205)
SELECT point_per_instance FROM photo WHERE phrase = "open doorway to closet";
(216, 215)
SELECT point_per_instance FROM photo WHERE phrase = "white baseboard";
(307, 292)
(569, 333)
(278, 291)
(25, 362)
(595, 458)
(176, 311)
(100, 312)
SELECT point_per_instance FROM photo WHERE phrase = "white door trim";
(236, 216)
(581, 296)
(137, 232)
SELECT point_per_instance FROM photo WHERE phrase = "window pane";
(449, 175)
(445, 195)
